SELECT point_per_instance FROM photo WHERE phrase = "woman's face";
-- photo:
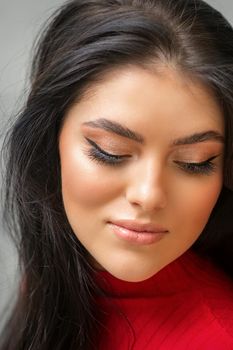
(167, 171)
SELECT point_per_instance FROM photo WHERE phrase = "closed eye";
(100, 156)
(205, 167)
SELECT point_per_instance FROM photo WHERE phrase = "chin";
(133, 276)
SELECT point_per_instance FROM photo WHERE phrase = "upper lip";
(139, 226)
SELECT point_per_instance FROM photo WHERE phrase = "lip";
(136, 232)
(139, 226)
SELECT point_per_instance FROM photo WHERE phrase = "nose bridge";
(147, 186)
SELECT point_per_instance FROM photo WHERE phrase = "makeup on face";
(193, 153)
(141, 169)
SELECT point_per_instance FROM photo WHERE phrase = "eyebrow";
(116, 128)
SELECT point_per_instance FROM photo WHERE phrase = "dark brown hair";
(83, 40)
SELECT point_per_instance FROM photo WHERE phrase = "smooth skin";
(152, 184)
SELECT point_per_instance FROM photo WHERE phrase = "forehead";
(164, 99)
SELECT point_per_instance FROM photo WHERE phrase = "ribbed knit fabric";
(186, 305)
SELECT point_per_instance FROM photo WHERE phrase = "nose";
(147, 188)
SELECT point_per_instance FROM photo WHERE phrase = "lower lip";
(137, 237)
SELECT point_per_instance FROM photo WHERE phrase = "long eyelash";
(100, 156)
(207, 167)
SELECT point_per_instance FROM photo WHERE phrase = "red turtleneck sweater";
(186, 305)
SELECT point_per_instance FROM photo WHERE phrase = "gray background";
(19, 23)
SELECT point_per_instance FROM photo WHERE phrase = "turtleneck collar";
(178, 276)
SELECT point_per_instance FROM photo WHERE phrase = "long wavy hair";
(55, 306)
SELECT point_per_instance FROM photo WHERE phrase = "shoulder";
(218, 297)
(216, 290)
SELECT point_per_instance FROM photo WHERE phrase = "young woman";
(119, 181)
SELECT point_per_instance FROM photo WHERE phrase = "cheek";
(198, 202)
(83, 181)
